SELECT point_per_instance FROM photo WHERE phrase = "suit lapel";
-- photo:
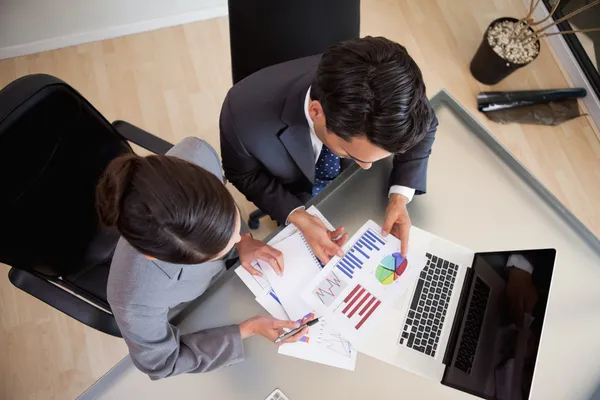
(296, 140)
(296, 137)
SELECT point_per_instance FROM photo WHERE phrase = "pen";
(295, 331)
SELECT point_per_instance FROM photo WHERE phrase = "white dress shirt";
(317, 145)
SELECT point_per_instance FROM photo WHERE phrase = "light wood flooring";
(171, 82)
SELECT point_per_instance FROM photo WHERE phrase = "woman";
(178, 224)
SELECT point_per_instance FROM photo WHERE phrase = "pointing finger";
(404, 234)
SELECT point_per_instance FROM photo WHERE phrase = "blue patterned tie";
(326, 170)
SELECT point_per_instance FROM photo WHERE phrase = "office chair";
(54, 146)
(269, 32)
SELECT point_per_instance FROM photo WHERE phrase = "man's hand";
(250, 249)
(324, 243)
(271, 328)
(397, 221)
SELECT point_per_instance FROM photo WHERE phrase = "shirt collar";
(315, 141)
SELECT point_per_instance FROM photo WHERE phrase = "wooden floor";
(171, 82)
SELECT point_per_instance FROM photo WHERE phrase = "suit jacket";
(141, 293)
(265, 140)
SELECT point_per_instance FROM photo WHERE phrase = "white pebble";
(508, 40)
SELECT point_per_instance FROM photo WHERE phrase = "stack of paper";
(353, 295)
(281, 297)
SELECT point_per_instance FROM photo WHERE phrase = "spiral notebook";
(322, 344)
(301, 266)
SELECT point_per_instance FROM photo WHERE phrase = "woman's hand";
(271, 328)
(250, 249)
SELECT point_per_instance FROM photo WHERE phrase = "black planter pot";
(487, 66)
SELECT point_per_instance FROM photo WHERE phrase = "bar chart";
(359, 305)
(368, 244)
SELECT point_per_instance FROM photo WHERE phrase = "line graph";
(336, 343)
(329, 288)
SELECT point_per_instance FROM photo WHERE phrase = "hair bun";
(112, 186)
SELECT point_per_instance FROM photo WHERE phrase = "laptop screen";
(498, 327)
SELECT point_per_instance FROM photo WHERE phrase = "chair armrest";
(64, 301)
(142, 138)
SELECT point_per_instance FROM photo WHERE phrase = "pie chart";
(391, 268)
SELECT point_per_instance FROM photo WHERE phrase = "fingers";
(404, 234)
(280, 324)
(296, 337)
(333, 235)
(338, 236)
(333, 249)
(327, 249)
(341, 241)
(321, 255)
(274, 257)
(251, 270)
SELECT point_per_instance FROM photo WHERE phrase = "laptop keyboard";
(425, 319)
(473, 324)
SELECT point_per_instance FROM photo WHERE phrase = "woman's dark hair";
(372, 87)
(166, 207)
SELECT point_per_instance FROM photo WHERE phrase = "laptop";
(472, 321)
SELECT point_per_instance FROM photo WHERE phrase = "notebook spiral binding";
(314, 212)
(319, 263)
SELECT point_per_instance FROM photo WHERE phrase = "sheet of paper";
(258, 285)
(270, 302)
(353, 292)
(300, 266)
(323, 345)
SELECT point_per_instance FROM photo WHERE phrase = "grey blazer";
(141, 292)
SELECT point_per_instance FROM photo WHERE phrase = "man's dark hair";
(372, 87)
(166, 207)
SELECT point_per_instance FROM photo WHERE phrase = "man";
(288, 130)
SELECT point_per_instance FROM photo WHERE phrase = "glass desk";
(478, 196)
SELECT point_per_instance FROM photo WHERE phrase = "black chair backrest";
(53, 147)
(269, 32)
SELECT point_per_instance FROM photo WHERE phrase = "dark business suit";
(265, 140)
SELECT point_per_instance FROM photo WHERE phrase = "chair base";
(64, 301)
(254, 219)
